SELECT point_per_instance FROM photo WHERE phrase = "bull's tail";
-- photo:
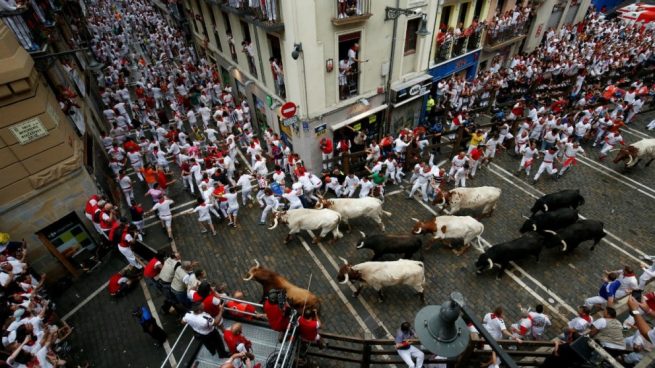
(480, 238)
(386, 212)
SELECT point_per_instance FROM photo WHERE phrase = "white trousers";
(412, 352)
(547, 166)
(419, 185)
(590, 302)
(129, 255)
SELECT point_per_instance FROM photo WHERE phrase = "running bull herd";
(554, 223)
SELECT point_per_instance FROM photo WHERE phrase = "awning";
(411, 82)
(358, 117)
(411, 99)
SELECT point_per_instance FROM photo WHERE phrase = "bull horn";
(564, 246)
(415, 219)
(525, 217)
(274, 223)
(629, 162)
(545, 207)
(419, 230)
(319, 203)
(344, 260)
(363, 234)
(346, 278)
(249, 277)
(550, 232)
(491, 263)
(256, 263)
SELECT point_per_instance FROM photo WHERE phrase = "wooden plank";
(69, 266)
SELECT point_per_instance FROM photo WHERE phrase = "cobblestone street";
(621, 201)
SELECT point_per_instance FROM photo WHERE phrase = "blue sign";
(456, 65)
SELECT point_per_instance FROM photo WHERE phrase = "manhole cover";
(517, 273)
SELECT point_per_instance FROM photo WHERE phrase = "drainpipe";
(387, 115)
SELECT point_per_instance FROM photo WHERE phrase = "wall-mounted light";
(329, 65)
(297, 49)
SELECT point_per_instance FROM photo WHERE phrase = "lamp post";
(443, 332)
(391, 13)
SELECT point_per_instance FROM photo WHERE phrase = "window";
(276, 65)
(248, 48)
(217, 39)
(411, 37)
(500, 5)
(230, 37)
(463, 9)
(445, 17)
(246, 31)
(478, 9)
(349, 65)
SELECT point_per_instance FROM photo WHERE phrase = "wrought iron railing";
(352, 9)
(267, 11)
(443, 50)
(28, 27)
(496, 35)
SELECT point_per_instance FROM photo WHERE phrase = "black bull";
(382, 244)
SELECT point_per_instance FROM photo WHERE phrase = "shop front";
(466, 65)
(407, 101)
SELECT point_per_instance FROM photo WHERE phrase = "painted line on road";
(636, 132)
(582, 217)
(88, 298)
(523, 284)
(334, 286)
(155, 315)
(607, 171)
(335, 265)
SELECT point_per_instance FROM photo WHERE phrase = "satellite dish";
(440, 328)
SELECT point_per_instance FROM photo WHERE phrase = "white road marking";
(582, 217)
(155, 315)
(88, 299)
(334, 286)
(521, 283)
(607, 171)
(636, 132)
(335, 265)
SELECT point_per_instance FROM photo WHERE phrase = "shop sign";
(357, 126)
(454, 66)
(411, 91)
(29, 130)
(372, 118)
(321, 129)
(290, 121)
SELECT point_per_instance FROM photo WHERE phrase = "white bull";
(450, 228)
(309, 219)
(383, 274)
(643, 149)
(352, 208)
(482, 199)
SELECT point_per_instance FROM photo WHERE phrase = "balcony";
(268, 17)
(351, 12)
(29, 27)
(500, 36)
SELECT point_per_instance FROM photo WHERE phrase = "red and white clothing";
(494, 325)
(124, 246)
(539, 323)
(91, 206)
(547, 164)
(570, 154)
(522, 328)
(456, 163)
(308, 329)
(126, 186)
(611, 140)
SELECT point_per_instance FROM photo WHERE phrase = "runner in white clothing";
(365, 186)
(350, 184)
(292, 195)
(529, 153)
(245, 182)
(547, 164)
(163, 208)
(571, 150)
(204, 217)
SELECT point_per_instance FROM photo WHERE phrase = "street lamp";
(443, 332)
(393, 14)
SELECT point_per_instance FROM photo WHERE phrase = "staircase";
(264, 344)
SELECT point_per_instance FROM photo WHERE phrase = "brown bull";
(297, 297)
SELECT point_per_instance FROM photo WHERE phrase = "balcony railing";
(28, 26)
(443, 49)
(474, 39)
(497, 35)
(266, 14)
(351, 11)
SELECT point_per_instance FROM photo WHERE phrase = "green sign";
(269, 101)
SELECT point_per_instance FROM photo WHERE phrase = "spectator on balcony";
(344, 71)
(249, 50)
(278, 76)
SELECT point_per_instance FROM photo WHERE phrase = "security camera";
(297, 49)
(418, 11)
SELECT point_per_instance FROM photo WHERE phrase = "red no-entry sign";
(288, 110)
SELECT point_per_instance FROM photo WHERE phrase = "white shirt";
(244, 181)
(539, 323)
(203, 212)
(494, 326)
(579, 324)
(163, 208)
(201, 323)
